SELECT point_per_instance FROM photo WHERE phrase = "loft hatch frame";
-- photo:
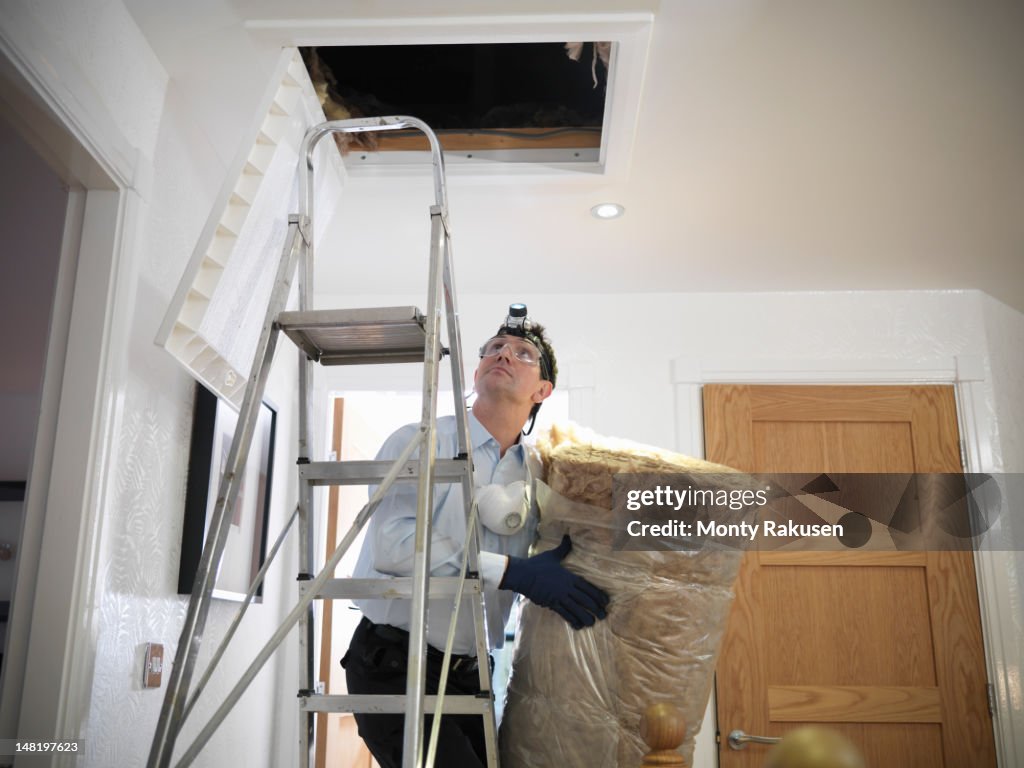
(498, 98)
(629, 33)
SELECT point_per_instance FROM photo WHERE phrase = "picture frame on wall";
(213, 428)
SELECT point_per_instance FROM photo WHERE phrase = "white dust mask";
(503, 508)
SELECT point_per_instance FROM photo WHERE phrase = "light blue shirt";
(388, 547)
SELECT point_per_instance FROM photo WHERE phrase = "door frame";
(47, 678)
(966, 374)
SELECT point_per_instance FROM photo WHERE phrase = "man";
(516, 373)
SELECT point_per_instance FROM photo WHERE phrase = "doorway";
(45, 683)
(33, 203)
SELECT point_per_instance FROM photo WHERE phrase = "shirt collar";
(479, 436)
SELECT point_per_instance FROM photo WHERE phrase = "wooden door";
(338, 744)
(885, 647)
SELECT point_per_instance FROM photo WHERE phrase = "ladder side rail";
(484, 667)
(412, 750)
(219, 653)
(307, 565)
(305, 599)
(482, 647)
(465, 443)
(473, 536)
(467, 554)
(473, 539)
(169, 722)
(455, 351)
(437, 160)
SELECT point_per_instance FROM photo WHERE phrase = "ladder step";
(357, 336)
(372, 472)
(393, 588)
(393, 703)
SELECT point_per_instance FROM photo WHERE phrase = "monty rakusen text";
(690, 499)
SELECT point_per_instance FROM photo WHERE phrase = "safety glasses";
(521, 350)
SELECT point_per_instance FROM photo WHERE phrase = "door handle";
(739, 739)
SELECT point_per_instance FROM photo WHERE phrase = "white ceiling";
(786, 145)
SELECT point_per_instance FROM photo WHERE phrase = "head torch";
(518, 323)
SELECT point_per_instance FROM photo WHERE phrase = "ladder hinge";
(304, 577)
(302, 460)
(303, 225)
(991, 690)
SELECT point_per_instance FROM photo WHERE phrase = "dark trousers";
(376, 662)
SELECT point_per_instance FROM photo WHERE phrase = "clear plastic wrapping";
(575, 697)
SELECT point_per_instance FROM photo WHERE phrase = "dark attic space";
(475, 96)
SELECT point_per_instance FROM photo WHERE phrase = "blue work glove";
(544, 580)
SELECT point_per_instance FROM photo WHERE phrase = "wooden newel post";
(663, 728)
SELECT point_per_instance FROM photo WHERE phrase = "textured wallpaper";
(137, 601)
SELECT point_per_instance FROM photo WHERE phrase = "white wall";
(93, 62)
(625, 344)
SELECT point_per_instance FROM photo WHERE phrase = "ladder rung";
(460, 704)
(393, 588)
(357, 336)
(372, 472)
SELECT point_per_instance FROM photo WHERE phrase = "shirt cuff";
(492, 569)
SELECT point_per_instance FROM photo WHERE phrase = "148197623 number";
(46, 746)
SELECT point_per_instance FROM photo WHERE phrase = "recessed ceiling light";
(607, 211)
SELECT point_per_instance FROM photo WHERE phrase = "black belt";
(463, 663)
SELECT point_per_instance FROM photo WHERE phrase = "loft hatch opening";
(514, 102)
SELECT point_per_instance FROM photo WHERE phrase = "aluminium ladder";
(339, 337)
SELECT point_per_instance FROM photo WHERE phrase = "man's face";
(510, 369)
